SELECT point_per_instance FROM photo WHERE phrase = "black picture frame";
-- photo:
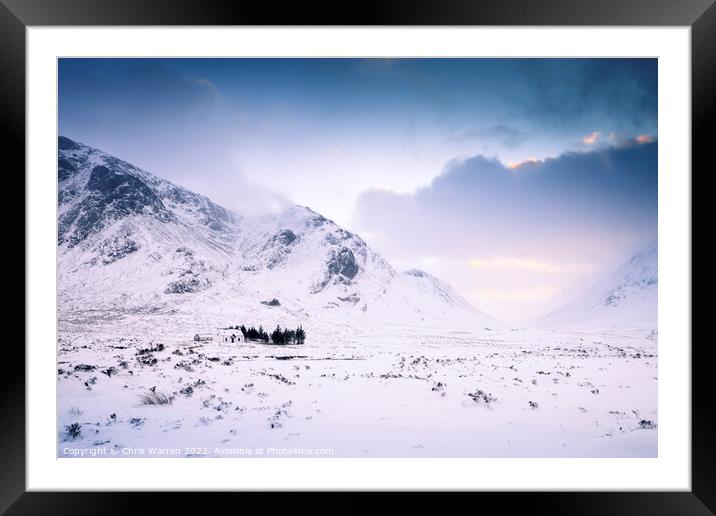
(16, 15)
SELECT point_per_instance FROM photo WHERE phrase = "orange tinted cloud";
(590, 139)
(517, 164)
(644, 138)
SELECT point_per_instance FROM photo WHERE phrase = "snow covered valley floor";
(514, 393)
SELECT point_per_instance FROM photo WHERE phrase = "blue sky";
(502, 150)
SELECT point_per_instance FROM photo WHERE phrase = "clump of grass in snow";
(647, 424)
(480, 395)
(155, 398)
(74, 431)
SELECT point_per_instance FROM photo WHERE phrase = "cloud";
(591, 138)
(573, 92)
(517, 164)
(603, 191)
(545, 226)
(644, 138)
(231, 188)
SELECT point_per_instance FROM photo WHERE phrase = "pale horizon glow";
(459, 167)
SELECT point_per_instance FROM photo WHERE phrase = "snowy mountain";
(130, 242)
(626, 298)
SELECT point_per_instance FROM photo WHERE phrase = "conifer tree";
(277, 335)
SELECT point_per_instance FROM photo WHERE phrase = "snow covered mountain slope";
(626, 298)
(132, 243)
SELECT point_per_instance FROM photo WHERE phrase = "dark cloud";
(566, 206)
(573, 92)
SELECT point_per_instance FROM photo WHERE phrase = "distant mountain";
(131, 242)
(625, 298)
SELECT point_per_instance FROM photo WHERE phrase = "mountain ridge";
(625, 297)
(130, 240)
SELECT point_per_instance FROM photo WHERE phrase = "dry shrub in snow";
(479, 395)
(155, 398)
(74, 431)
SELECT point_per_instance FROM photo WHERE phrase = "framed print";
(437, 250)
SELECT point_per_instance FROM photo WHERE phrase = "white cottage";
(229, 336)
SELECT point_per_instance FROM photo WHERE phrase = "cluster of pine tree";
(253, 334)
(278, 336)
(297, 336)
